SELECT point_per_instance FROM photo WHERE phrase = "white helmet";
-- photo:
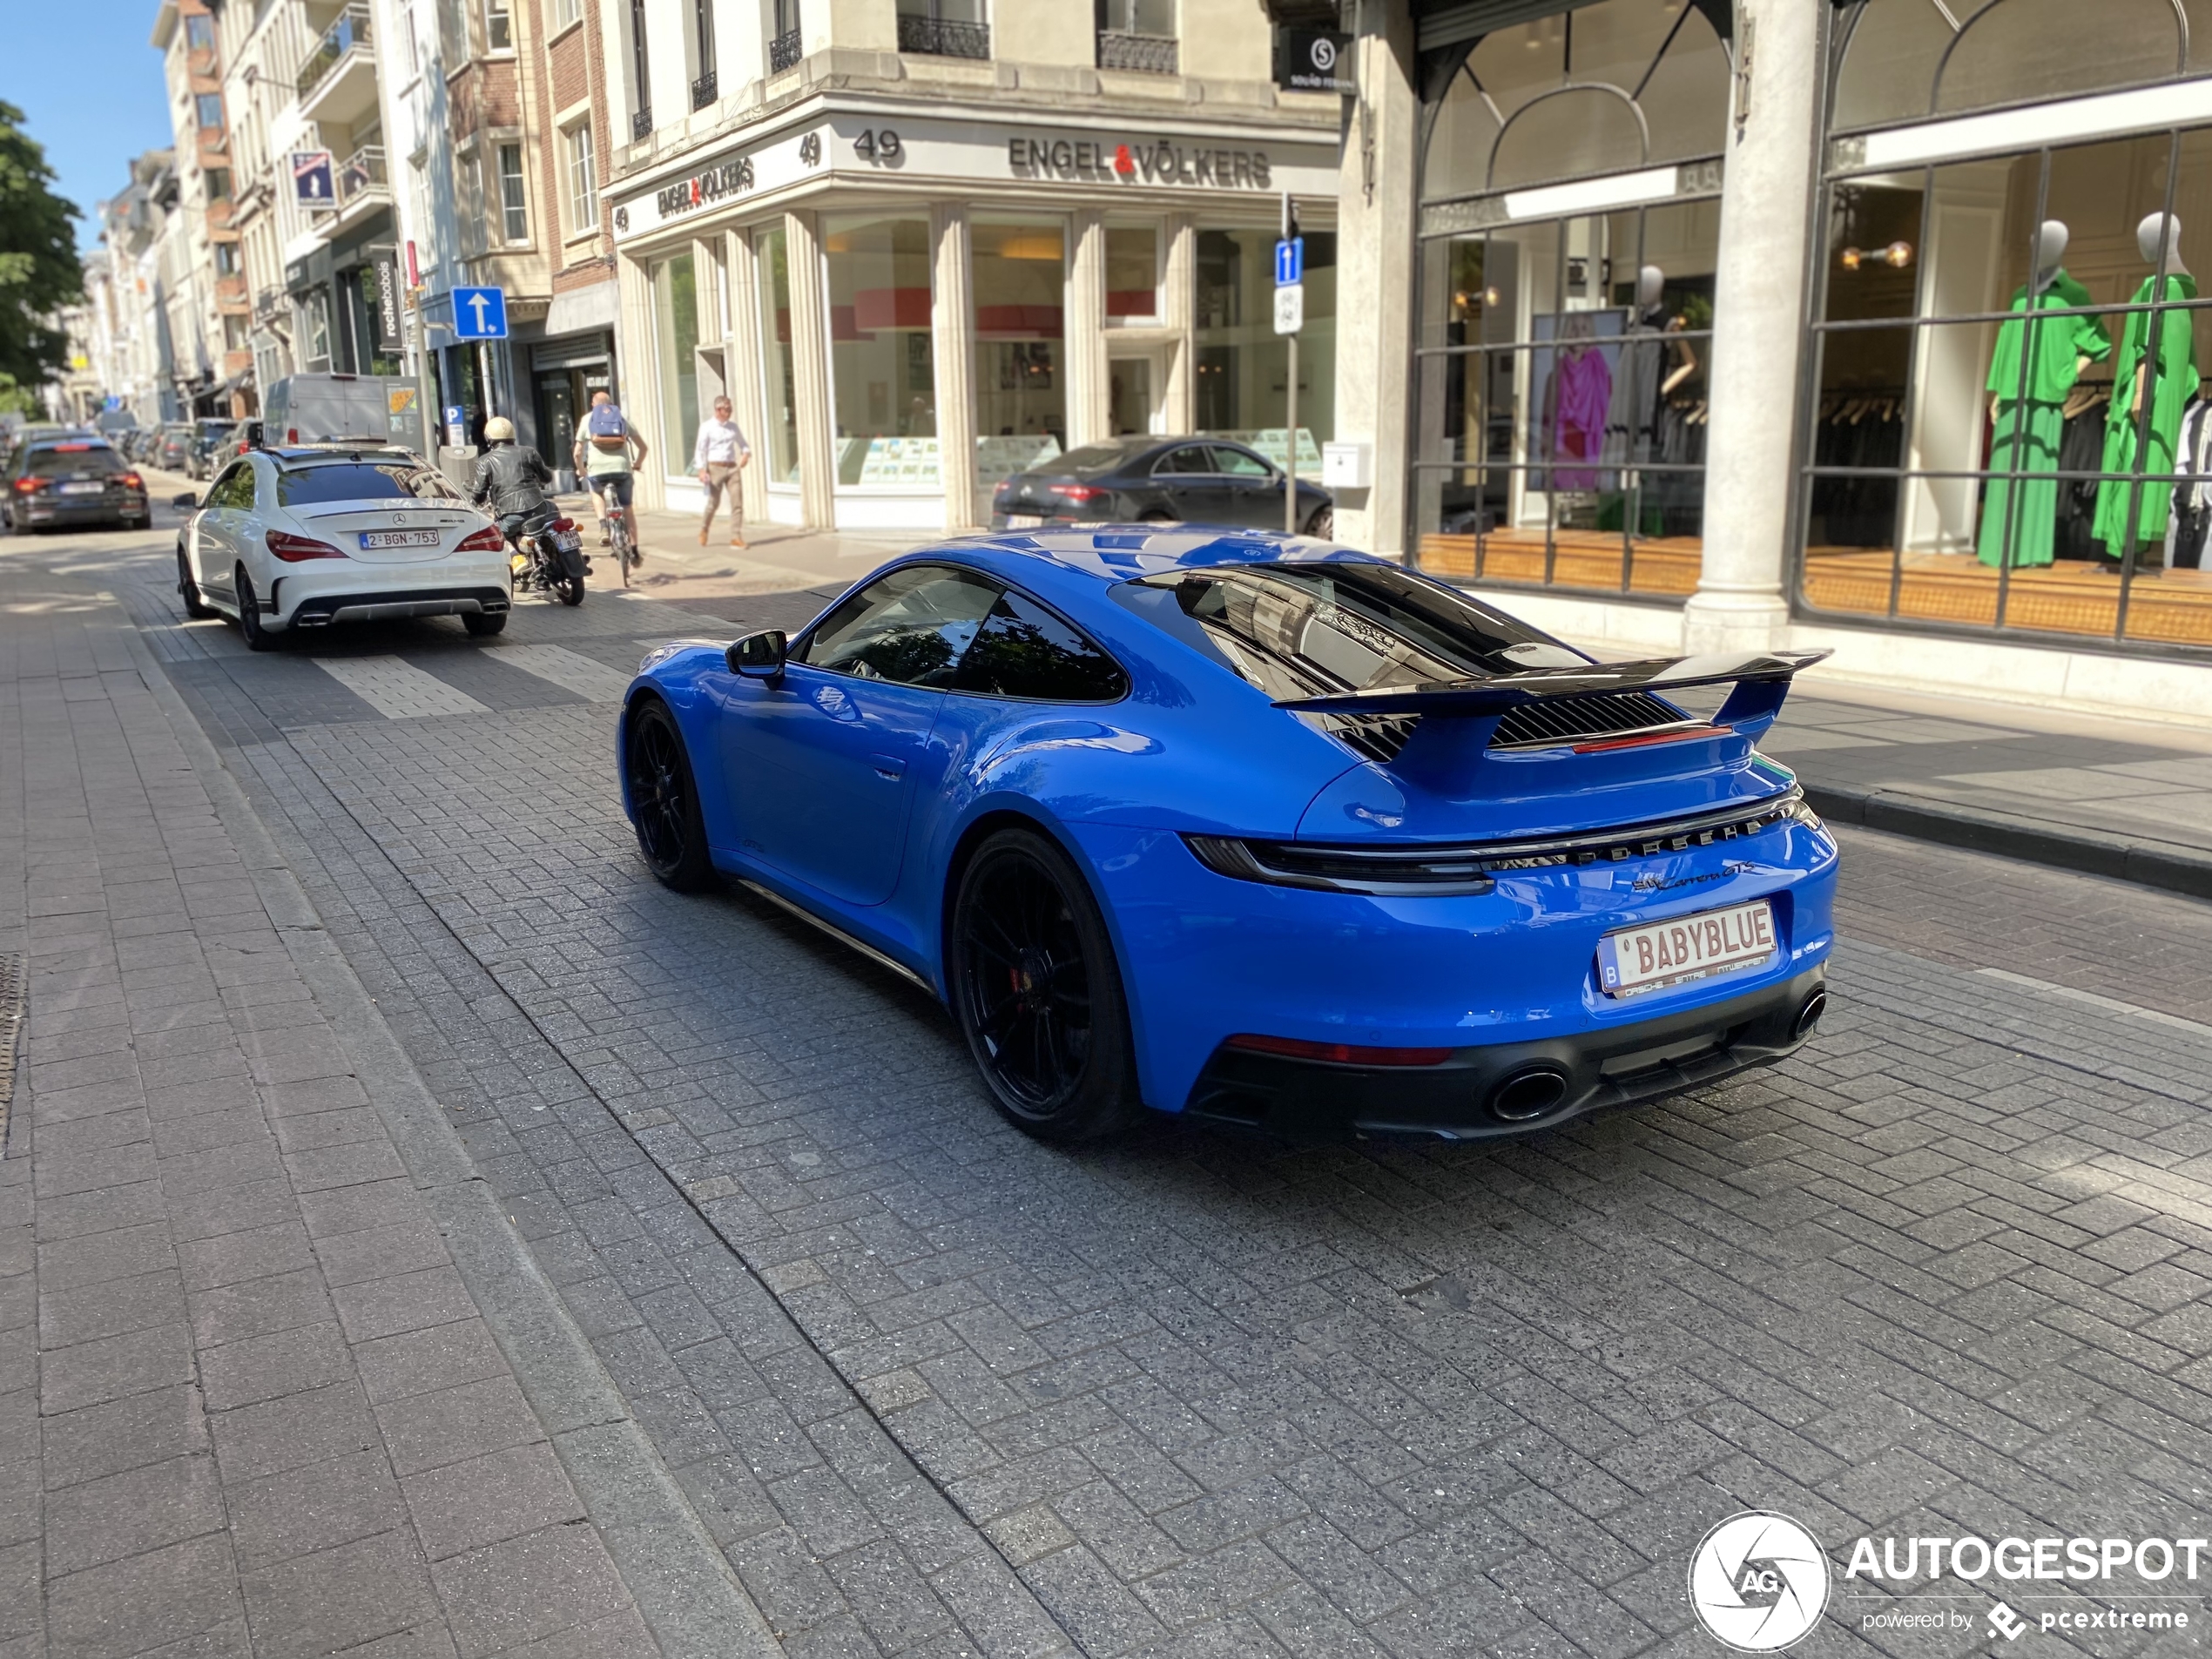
(499, 429)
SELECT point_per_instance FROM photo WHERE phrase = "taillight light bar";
(293, 550)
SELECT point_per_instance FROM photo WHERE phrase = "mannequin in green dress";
(2160, 375)
(2029, 420)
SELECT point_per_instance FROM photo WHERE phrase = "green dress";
(2172, 384)
(2029, 427)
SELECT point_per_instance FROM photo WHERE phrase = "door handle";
(888, 767)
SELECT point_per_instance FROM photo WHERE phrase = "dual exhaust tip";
(1536, 1091)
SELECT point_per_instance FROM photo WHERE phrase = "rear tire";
(188, 590)
(571, 590)
(1323, 524)
(671, 834)
(480, 626)
(1038, 994)
(249, 615)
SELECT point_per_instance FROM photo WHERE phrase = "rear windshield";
(64, 459)
(362, 481)
(1307, 630)
(1088, 462)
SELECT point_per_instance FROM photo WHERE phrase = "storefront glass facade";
(781, 398)
(676, 332)
(883, 383)
(1560, 399)
(1020, 267)
(1242, 366)
(2004, 430)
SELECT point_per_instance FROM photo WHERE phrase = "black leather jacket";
(512, 477)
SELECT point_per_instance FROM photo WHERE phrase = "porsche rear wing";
(1458, 716)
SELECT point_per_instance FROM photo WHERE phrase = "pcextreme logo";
(1758, 1582)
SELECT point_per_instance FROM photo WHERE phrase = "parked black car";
(172, 450)
(72, 482)
(1199, 480)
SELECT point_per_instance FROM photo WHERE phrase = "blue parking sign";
(480, 314)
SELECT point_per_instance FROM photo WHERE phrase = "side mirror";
(186, 503)
(759, 656)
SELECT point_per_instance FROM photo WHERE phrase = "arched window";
(1606, 88)
(1906, 60)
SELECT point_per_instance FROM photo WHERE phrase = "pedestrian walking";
(720, 454)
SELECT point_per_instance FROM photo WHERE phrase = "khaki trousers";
(721, 481)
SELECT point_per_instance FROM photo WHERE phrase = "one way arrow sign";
(480, 314)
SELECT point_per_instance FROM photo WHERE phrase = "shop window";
(2007, 430)
(1906, 60)
(1021, 382)
(1133, 273)
(1242, 364)
(772, 253)
(1604, 88)
(883, 380)
(676, 331)
(1560, 422)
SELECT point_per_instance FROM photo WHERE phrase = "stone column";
(1758, 321)
(1376, 199)
(641, 377)
(810, 373)
(1179, 305)
(1084, 330)
(952, 339)
(748, 388)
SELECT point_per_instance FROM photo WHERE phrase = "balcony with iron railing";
(1152, 54)
(702, 90)
(785, 51)
(361, 173)
(942, 38)
(346, 41)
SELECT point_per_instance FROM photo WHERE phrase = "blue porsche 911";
(1261, 831)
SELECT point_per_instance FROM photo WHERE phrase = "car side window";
(1024, 651)
(911, 628)
(1191, 458)
(219, 493)
(1239, 463)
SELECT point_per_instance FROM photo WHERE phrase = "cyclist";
(607, 453)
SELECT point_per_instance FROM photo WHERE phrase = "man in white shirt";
(717, 456)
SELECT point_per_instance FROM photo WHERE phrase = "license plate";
(1023, 520)
(1670, 953)
(83, 490)
(371, 539)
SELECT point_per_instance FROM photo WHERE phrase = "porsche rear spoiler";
(1458, 716)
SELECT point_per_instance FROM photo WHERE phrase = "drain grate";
(13, 983)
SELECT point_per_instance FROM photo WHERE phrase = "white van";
(323, 409)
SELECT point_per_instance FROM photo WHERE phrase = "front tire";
(671, 834)
(249, 615)
(188, 590)
(1038, 994)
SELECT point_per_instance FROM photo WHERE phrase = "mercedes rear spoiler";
(1459, 716)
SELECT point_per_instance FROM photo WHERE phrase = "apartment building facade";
(209, 302)
(921, 243)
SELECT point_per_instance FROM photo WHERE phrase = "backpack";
(606, 428)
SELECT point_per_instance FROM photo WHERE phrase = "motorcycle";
(548, 553)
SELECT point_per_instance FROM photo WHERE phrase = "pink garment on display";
(1583, 382)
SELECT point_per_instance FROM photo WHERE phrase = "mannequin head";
(2159, 238)
(2050, 248)
(1651, 282)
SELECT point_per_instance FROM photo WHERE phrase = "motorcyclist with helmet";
(510, 480)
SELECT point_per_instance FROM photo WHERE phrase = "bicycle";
(619, 538)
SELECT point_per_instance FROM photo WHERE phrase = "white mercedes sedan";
(303, 537)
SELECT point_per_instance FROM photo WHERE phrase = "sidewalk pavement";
(276, 1376)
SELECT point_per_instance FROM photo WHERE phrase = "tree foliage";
(39, 269)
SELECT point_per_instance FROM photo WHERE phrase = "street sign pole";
(1290, 463)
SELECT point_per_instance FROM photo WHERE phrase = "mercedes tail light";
(1081, 494)
(486, 540)
(293, 550)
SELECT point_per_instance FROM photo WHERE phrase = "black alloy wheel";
(1323, 524)
(670, 833)
(1037, 992)
(249, 615)
(188, 590)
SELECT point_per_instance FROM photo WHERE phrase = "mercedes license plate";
(371, 539)
(1023, 520)
(1669, 953)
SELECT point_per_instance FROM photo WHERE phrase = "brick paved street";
(925, 1386)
